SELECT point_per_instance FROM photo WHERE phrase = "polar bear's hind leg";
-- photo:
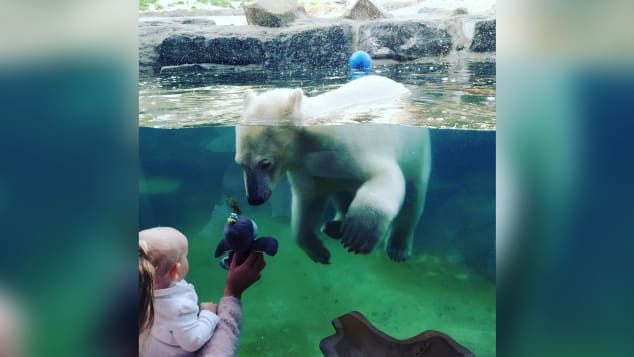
(341, 201)
(398, 245)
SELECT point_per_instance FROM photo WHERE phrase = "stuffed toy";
(240, 239)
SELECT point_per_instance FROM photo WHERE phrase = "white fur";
(366, 171)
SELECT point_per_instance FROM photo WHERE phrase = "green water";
(290, 310)
(447, 285)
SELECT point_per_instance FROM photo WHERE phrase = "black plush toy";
(240, 239)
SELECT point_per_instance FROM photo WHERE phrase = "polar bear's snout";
(258, 187)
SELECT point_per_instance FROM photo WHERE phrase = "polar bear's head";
(275, 107)
(265, 144)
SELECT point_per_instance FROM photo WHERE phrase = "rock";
(356, 336)
(425, 10)
(326, 8)
(317, 47)
(309, 43)
(191, 13)
(398, 4)
(218, 69)
(384, 52)
(183, 49)
(484, 37)
(154, 30)
(403, 40)
(271, 13)
(174, 21)
(151, 33)
(364, 10)
(182, 68)
(199, 20)
(308, 46)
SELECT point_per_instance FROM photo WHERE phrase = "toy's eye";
(264, 164)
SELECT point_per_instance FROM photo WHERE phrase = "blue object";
(240, 239)
(360, 63)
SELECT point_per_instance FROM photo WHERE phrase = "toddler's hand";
(209, 306)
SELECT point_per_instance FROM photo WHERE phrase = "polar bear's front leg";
(373, 208)
(307, 212)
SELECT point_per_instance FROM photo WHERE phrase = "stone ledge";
(307, 43)
(403, 40)
(484, 37)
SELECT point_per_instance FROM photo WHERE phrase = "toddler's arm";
(193, 335)
(209, 306)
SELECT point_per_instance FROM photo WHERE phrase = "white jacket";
(180, 328)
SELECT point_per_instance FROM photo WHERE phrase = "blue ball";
(360, 61)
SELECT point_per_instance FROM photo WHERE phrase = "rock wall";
(321, 47)
(184, 49)
(403, 40)
(172, 42)
(484, 37)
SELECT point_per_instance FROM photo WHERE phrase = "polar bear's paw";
(315, 249)
(397, 254)
(333, 229)
(398, 248)
(362, 230)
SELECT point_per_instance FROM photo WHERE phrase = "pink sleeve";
(224, 341)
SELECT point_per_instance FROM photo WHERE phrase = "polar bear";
(375, 175)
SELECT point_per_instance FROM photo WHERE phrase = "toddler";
(180, 328)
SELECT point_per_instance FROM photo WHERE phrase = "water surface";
(459, 95)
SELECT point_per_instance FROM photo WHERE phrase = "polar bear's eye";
(264, 164)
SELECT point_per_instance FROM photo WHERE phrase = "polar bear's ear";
(295, 100)
(249, 95)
